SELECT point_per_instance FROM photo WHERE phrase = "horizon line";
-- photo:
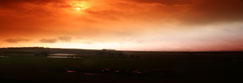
(125, 50)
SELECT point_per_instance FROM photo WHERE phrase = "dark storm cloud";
(201, 11)
(16, 40)
(217, 11)
(48, 40)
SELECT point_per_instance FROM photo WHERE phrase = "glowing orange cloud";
(127, 24)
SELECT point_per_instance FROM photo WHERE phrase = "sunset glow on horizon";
(150, 25)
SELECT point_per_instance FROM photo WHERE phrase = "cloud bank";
(120, 21)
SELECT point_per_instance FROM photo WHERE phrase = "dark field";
(136, 67)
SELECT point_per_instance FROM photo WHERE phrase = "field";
(141, 67)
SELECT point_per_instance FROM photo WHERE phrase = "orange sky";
(159, 25)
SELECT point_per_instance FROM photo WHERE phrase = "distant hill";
(41, 51)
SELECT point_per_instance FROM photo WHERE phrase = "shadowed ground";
(174, 67)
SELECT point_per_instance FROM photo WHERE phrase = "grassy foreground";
(147, 67)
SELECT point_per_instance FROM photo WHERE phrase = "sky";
(144, 25)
